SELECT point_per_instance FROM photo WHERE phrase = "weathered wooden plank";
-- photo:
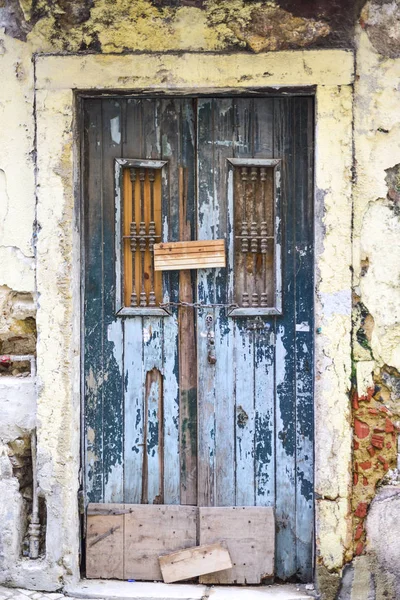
(244, 343)
(264, 354)
(264, 391)
(133, 403)
(187, 316)
(151, 531)
(249, 535)
(187, 358)
(223, 141)
(285, 433)
(113, 428)
(245, 415)
(105, 542)
(206, 219)
(177, 138)
(188, 263)
(132, 147)
(153, 457)
(193, 562)
(192, 246)
(304, 260)
(93, 363)
(263, 127)
(171, 411)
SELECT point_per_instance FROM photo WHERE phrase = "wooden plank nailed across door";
(189, 255)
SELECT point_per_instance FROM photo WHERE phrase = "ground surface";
(123, 590)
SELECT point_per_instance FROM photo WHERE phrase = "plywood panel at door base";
(124, 541)
(105, 541)
(249, 535)
(152, 531)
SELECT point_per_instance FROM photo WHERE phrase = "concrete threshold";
(142, 590)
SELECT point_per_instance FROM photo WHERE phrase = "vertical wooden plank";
(264, 356)
(172, 479)
(223, 137)
(113, 411)
(133, 343)
(206, 220)
(187, 340)
(171, 412)
(177, 140)
(285, 435)
(245, 414)
(133, 400)
(153, 459)
(304, 259)
(263, 115)
(153, 333)
(264, 388)
(93, 363)
(244, 344)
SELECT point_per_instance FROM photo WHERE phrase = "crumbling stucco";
(381, 21)
(146, 25)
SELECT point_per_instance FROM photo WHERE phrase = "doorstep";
(144, 590)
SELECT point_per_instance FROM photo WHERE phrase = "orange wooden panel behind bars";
(139, 275)
(254, 236)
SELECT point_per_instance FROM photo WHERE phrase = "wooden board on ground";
(249, 535)
(151, 531)
(170, 256)
(105, 541)
(193, 562)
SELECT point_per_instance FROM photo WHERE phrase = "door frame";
(328, 74)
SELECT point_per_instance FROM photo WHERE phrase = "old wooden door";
(208, 405)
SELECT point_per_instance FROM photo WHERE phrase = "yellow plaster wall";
(376, 219)
(17, 185)
(333, 323)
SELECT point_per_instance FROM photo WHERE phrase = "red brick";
(373, 411)
(383, 462)
(361, 429)
(379, 430)
(356, 445)
(388, 445)
(359, 548)
(389, 426)
(359, 531)
(361, 510)
(385, 410)
(371, 451)
(377, 441)
(355, 478)
(355, 401)
(366, 465)
(365, 481)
